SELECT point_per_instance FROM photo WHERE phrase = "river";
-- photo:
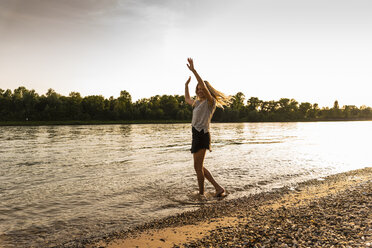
(59, 183)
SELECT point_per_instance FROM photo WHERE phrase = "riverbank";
(62, 123)
(75, 122)
(334, 211)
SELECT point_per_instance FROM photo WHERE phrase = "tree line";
(27, 105)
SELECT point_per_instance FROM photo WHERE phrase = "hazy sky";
(313, 50)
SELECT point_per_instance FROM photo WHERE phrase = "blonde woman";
(203, 108)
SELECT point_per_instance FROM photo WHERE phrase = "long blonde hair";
(221, 99)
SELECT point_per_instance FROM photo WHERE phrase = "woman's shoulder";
(214, 100)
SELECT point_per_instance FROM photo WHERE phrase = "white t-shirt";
(202, 115)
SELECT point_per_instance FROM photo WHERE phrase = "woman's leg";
(209, 177)
(202, 173)
(198, 166)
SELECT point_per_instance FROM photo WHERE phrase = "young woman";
(203, 108)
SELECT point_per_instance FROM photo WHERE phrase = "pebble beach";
(335, 211)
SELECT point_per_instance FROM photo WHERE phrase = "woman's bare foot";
(220, 192)
(201, 197)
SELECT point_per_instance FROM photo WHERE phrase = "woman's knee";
(198, 160)
(198, 167)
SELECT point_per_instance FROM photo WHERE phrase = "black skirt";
(200, 140)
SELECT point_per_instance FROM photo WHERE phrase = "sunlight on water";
(59, 183)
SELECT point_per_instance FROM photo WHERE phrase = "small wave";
(31, 163)
(248, 142)
(263, 182)
(193, 199)
(263, 142)
(288, 176)
(249, 186)
(167, 206)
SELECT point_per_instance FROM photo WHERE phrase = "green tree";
(305, 110)
(5, 102)
(234, 111)
(93, 107)
(74, 106)
(365, 112)
(336, 111)
(253, 104)
(253, 107)
(53, 105)
(169, 105)
(314, 112)
(142, 110)
(237, 101)
(123, 106)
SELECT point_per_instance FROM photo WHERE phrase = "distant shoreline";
(72, 123)
(123, 122)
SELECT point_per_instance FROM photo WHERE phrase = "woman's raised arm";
(190, 65)
(187, 94)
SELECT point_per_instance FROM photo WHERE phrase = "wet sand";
(330, 212)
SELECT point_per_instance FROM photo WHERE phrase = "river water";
(59, 183)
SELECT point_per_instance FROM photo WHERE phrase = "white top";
(202, 115)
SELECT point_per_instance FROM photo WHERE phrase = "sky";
(314, 51)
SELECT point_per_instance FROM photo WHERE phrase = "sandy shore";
(332, 212)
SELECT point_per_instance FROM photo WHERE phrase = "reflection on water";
(59, 183)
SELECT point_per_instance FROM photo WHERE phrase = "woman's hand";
(188, 81)
(190, 64)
